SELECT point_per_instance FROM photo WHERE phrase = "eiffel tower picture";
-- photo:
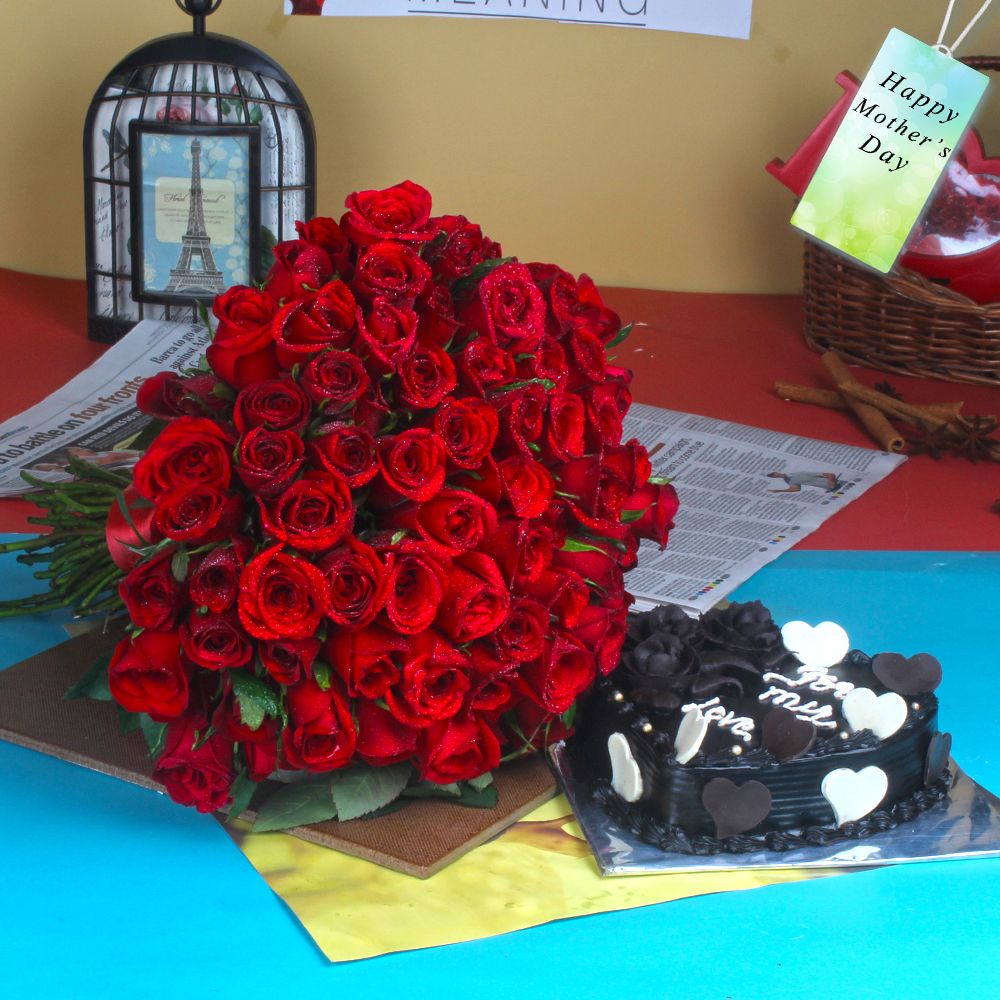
(205, 278)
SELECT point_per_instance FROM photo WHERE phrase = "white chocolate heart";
(883, 714)
(626, 778)
(854, 794)
(820, 646)
(690, 734)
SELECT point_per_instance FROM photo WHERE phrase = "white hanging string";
(949, 50)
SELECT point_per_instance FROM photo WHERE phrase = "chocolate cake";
(726, 733)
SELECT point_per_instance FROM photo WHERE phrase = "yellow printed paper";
(540, 869)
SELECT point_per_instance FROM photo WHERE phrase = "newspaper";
(93, 416)
(747, 495)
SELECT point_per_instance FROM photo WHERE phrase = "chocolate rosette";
(666, 619)
(748, 629)
(659, 672)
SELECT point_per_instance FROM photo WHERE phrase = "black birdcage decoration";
(199, 156)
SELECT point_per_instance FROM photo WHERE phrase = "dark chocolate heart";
(785, 735)
(916, 675)
(938, 754)
(735, 808)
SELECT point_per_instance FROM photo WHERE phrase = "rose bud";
(130, 525)
(188, 450)
(657, 504)
(298, 269)
(198, 514)
(267, 461)
(152, 594)
(464, 247)
(382, 738)
(400, 212)
(214, 582)
(564, 671)
(605, 406)
(335, 378)
(345, 449)
(366, 659)
(457, 749)
(323, 319)
(328, 236)
(357, 583)
(320, 734)
(215, 642)
(602, 629)
(476, 601)
(312, 514)
(288, 660)
(242, 348)
(277, 404)
(468, 430)
(426, 376)
(281, 596)
(412, 464)
(167, 395)
(199, 777)
(146, 675)
(392, 271)
(578, 305)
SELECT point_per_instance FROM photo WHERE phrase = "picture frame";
(195, 209)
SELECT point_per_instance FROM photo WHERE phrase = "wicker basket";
(899, 323)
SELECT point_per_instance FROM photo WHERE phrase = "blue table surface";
(108, 890)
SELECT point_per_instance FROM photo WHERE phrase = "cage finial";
(199, 10)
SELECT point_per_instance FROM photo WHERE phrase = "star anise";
(933, 442)
(888, 389)
(970, 438)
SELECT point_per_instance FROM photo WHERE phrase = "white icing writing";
(811, 711)
(713, 711)
(817, 679)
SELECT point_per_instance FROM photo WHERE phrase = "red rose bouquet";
(379, 541)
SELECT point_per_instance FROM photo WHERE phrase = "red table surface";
(717, 355)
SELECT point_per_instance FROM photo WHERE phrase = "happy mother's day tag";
(892, 146)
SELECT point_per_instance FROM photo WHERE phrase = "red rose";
(578, 305)
(382, 738)
(328, 236)
(658, 505)
(588, 359)
(565, 670)
(522, 636)
(198, 514)
(392, 271)
(346, 449)
(463, 247)
(416, 583)
(400, 212)
(437, 323)
(366, 659)
(123, 534)
(522, 550)
(281, 596)
(146, 675)
(412, 464)
(312, 514)
(527, 484)
(335, 378)
(605, 405)
(468, 430)
(215, 642)
(565, 426)
(433, 685)
(476, 601)
(326, 318)
(600, 566)
(482, 366)
(356, 583)
(298, 269)
(261, 751)
(320, 734)
(387, 332)
(188, 450)
(214, 582)
(457, 749)
(547, 361)
(564, 593)
(152, 594)
(512, 308)
(242, 348)
(426, 376)
(492, 698)
(288, 660)
(454, 519)
(601, 628)
(523, 417)
(167, 395)
(198, 777)
(277, 404)
(267, 461)
(536, 728)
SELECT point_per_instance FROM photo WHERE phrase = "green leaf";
(569, 716)
(202, 738)
(321, 675)
(296, 805)
(483, 781)
(203, 316)
(222, 391)
(429, 790)
(628, 516)
(179, 564)
(93, 684)
(397, 537)
(484, 798)
(620, 336)
(241, 793)
(128, 722)
(256, 698)
(573, 545)
(361, 790)
(154, 733)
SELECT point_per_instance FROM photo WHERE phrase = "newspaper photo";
(747, 495)
(93, 416)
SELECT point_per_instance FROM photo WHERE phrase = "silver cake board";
(965, 825)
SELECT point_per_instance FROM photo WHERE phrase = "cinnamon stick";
(829, 398)
(872, 418)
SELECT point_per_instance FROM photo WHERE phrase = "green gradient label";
(885, 159)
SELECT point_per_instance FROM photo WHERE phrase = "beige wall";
(636, 156)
